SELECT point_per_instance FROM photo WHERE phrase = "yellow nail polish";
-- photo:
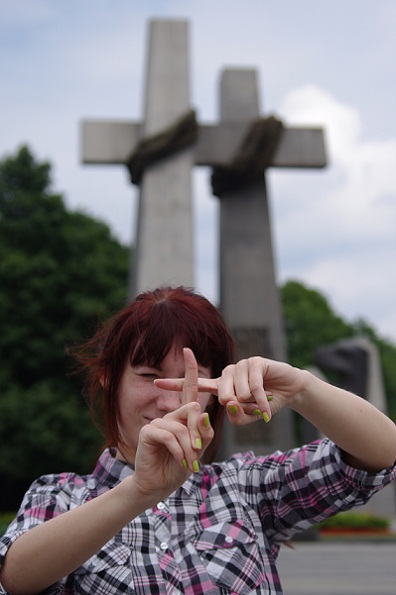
(198, 443)
(185, 465)
(196, 466)
(266, 417)
(256, 412)
(206, 420)
(233, 409)
(270, 397)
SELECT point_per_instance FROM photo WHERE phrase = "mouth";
(148, 419)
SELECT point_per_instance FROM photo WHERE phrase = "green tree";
(310, 322)
(60, 271)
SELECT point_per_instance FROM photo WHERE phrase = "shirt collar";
(109, 471)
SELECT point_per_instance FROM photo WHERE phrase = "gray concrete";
(249, 295)
(113, 142)
(298, 147)
(356, 366)
(164, 251)
(317, 568)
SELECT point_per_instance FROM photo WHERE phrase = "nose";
(168, 401)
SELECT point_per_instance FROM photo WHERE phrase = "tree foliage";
(59, 272)
(310, 322)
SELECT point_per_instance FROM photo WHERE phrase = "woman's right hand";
(170, 448)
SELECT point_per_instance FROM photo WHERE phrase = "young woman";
(157, 515)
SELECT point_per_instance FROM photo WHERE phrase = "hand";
(254, 388)
(169, 448)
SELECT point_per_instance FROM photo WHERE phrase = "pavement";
(338, 568)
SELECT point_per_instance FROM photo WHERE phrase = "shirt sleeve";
(304, 486)
(53, 590)
(48, 497)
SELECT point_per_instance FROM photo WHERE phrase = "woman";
(157, 515)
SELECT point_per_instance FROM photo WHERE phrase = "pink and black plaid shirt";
(218, 534)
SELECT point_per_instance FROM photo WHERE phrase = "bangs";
(166, 325)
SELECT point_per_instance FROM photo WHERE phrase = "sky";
(329, 63)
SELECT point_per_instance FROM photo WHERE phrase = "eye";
(146, 373)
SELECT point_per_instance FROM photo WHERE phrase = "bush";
(355, 520)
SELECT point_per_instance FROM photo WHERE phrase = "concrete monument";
(356, 364)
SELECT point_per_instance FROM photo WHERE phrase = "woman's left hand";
(246, 393)
(254, 388)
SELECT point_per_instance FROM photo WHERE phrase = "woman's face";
(140, 401)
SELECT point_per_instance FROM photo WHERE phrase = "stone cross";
(160, 152)
(164, 241)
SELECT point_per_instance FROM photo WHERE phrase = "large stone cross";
(249, 297)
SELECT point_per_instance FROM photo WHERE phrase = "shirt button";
(229, 539)
(163, 546)
(161, 506)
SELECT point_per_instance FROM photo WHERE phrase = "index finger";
(204, 385)
(190, 382)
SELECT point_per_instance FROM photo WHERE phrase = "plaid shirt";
(219, 533)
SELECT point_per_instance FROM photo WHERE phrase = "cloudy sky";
(329, 63)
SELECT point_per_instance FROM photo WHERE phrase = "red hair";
(143, 332)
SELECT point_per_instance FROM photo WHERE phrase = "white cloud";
(360, 287)
(341, 238)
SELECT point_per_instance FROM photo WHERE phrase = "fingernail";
(185, 465)
(198, 443)
(256, 412)
(233, 409)
(270, 397)
(206, 420)
(266, 417)
(196, 466)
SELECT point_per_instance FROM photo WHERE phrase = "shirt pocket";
(108, 572)
(231, 556)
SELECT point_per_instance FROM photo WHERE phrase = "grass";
(5, 520)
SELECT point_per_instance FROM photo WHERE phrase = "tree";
(310, 322)
(60, 271)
